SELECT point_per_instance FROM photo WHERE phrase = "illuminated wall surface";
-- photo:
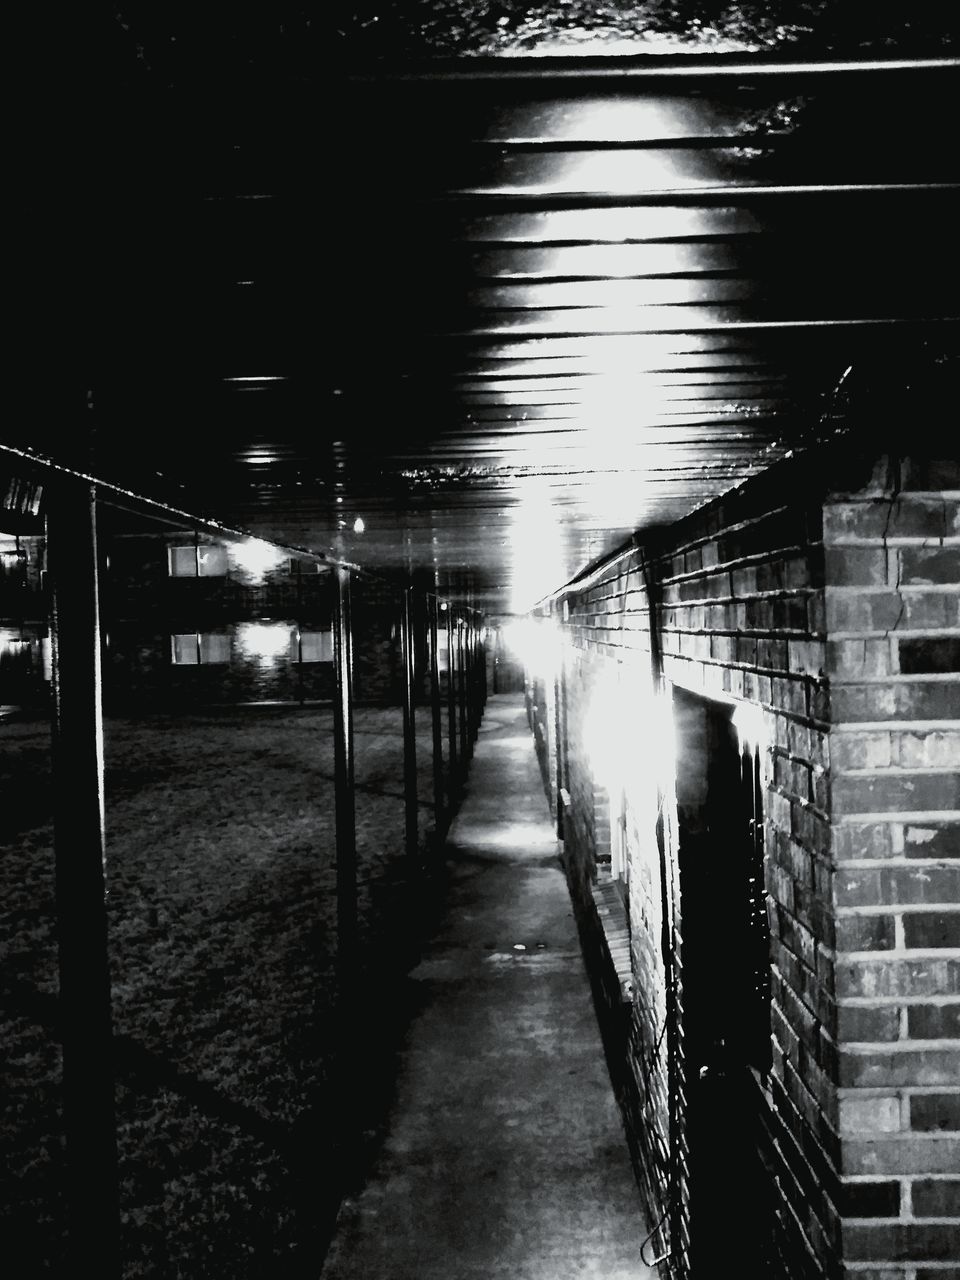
(811, 625)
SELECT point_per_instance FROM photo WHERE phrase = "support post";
(462, 696)
(78, 800)
(344, 785)
(558, 695)
(452, 677)
(474, 678)
(483, 672)
(436, 713)
(411, 832)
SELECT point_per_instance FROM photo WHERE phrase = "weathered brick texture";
(828, 601)
(892, 594)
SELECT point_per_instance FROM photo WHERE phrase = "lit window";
(304, 567)
(198, 562)
(199, 648)
(316, 646)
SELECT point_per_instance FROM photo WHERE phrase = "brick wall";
(737, 595)
(893, 612)
(824, 595)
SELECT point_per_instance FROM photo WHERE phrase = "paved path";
(504, 1157)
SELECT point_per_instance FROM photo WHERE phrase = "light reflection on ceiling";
(508, 312)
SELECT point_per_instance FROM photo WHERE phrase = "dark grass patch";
(235, 1129)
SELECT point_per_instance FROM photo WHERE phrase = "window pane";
(184, 649)
(213, 562)
(183, 562)
(214, 648)
(316, 646)
(305, 567)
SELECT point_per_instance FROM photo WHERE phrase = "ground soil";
(232, 1092)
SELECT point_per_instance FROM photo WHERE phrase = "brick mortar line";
(888, 1090)
(899, 863)
(725, 665)
(888, 588)
(898, 1177)
(885, 771)
(914, 633)
(745, 562)
(903, 1046)
(747, 522)
(927, 954)
(882, 726)
(907, 817)
(897, 908)
(869, 1002)
(893, 677)
(922, 542)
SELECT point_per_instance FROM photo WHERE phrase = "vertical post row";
(344, 782)
(411, 833)
(436, 712)
(85, 1014)
(452, 706)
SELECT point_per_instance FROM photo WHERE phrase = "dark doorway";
(724, 984)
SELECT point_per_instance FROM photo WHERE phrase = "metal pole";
(344, 784)
(472, 638)
(558, 745)
(78, 802)
(462, 696)
(454, 769)
(436, 711)
(411, 832)
(483, 673)
(300, 631)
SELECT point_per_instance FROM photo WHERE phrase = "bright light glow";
(748, 721)
(619, 321)
(629, 733)
(603, 261)
(613, 226)
(609, 118)
(264, 641)
(536, 544)
(623, 172)
(358, 525)
(535, 642)
(255, 559)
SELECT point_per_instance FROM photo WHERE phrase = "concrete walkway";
(504, 1157)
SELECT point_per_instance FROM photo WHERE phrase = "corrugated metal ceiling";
(506, 310)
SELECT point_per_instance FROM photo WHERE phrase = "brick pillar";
(893, 618)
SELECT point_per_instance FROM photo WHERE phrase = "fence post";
(344, 785)
(462, 696)
(411, 832)
(78, 801)
(452, 677)
(436, 713)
